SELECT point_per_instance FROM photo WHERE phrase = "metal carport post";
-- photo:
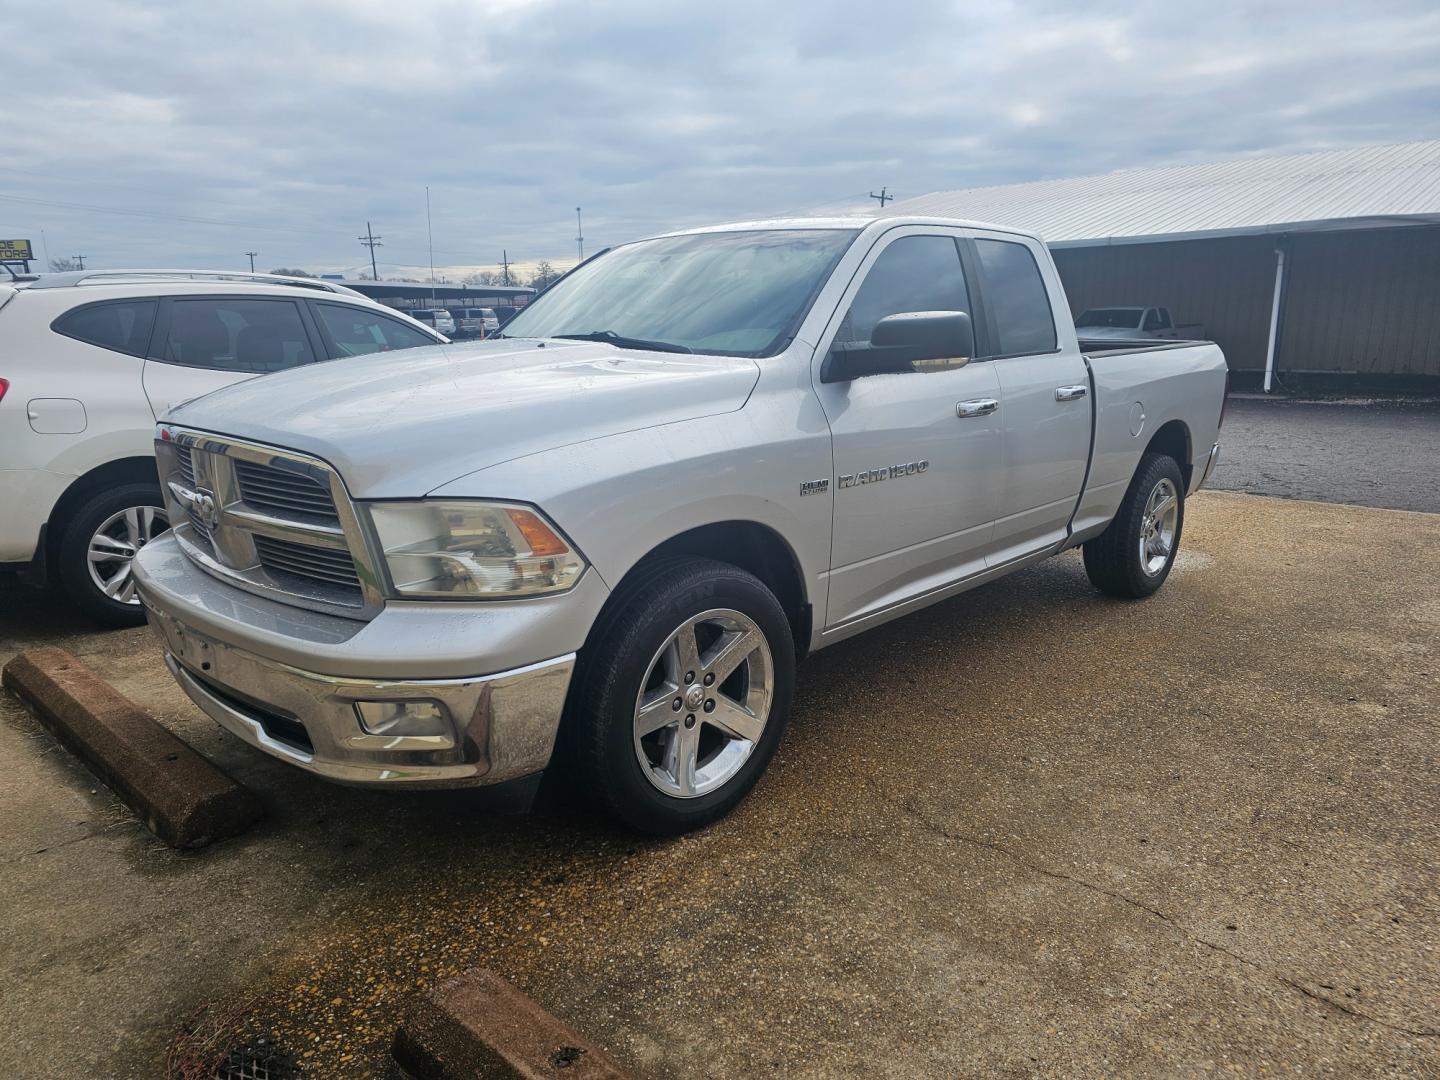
(1275, 313)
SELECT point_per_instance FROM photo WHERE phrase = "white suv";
(89, 360)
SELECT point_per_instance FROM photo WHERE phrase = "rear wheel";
(683, 695)
(1133, 556)
(97, 548)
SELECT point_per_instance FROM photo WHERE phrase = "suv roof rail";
(69, 278)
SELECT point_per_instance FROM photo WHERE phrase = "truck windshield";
(731, 293)
(1122, 318)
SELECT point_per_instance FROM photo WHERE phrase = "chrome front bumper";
(504, 724)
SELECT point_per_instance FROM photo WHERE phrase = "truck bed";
(1133, 382)
(1101, 346)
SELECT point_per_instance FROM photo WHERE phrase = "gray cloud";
(283, 127)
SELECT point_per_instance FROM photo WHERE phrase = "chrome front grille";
(327, 566)
(270, 521)
(285, 491)
(186, 464)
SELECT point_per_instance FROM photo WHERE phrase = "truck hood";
(400, 424)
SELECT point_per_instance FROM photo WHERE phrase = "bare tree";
(485, 277)
(292, 273)
(59, 266)
(544, 275)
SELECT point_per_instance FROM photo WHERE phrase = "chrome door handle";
(978, 407)
(1070, 393)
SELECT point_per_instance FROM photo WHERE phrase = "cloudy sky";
(168, 133)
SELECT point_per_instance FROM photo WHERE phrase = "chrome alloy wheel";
(113, 546)
(1157, 528)
(703, 704)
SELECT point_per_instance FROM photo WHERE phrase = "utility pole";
(252, 255)
(430, 238)
(79, 259)
(371, 241)
(505, 261)
(579, 235)
(883, 197)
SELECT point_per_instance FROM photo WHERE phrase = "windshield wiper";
(622, 342)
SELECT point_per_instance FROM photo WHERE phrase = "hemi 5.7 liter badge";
(815, 487)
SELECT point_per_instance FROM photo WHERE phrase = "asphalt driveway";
(1367, 453)
(1028, 832)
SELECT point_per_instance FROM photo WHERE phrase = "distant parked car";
(1133, 323)
(437, 318)
(475, 322)
(89, 359)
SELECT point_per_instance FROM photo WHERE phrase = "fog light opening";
(404, 719)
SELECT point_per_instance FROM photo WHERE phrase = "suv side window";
(357, 331)
(1153, 320)
(236, 335)
(1015, 292)
(121, 325)
(915, 273)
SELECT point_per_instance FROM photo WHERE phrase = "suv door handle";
(978, 407)
(1070, 393)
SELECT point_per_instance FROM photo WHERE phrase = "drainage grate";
(258, 1061)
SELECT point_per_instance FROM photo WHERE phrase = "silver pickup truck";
(608, 535)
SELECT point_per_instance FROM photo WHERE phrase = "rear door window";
(122, 325)
(1015, 293)
(356, 331)
(236, 335)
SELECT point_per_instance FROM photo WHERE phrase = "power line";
(883, 197)
(252, 255)
(371, 241)
(579, 235)
(79, 259)
(233, 224)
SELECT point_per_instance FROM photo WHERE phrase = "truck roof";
(876, 222)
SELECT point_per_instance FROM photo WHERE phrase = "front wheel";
(683, 695)
(1133, 556)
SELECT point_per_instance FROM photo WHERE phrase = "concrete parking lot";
(1028, 832)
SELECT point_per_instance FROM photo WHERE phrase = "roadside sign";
(15, 251)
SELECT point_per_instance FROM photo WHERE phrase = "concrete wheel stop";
(478, 1025)
(184, 799)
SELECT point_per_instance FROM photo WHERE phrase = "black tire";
(1112, 559)
(615, 662)
(72, 567)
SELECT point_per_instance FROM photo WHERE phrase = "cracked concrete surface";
(1179, 929)
(1031, 832)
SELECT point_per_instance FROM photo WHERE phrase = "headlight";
(473, 549)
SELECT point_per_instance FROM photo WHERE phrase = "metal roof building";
(1318, 263)
(415, 294)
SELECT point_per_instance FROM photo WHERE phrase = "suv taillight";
(4, 385)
